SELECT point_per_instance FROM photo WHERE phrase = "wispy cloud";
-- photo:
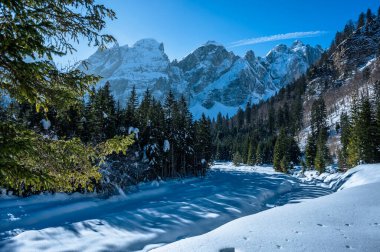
(277, 37)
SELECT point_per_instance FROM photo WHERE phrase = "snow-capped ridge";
(209, 75)
(212, 42)
(149, 44)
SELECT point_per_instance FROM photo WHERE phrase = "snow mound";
(347, 219)
(361, 175)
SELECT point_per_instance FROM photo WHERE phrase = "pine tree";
(310, 151)
(240, 118)
(318, 118)
(296, 115)
(186, 136)
(377, 121)
(203, 142)
(284, 164)
(237, 159)
(361, 20)
(259, 154)
(107, 111)
(294, 152)
(344, 139)
(247, 113)
(353, 145)
(321, 155)
(251, 158)
(319, 159)
(130, 113)
(39, 30)
(318, 138)
(143, 111)
(369, 16)
(280, 150)
(366, 134)
(349, 29)
(271, 120)
(119, 120)
(171, 109)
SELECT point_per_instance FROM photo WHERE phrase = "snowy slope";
(347, 219)
(148, 216)
(210, 77)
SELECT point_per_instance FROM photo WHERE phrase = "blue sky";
(184, 25)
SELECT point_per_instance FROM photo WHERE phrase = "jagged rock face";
(216, 75)
(351, 55)
(358, 49)
(288, 63)
(207, 76)
(141, 65)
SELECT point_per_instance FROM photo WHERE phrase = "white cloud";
(292, 35)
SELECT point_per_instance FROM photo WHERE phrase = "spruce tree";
(319, 159)
(284, 164)
(259, 154)
(321, 154)
(369, 16)
(203, 139)
(317, 140)
(310, 151)
(247, 113)
(366, 132)
(361, 20)
(377, 121)
(143, 111)
(237, 159)
(353, 145)
(344, 139)
(130, 113)
(251, 157)
(280, 150)
(32, 33)
(271, 120)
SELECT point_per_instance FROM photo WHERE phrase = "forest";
(268, 132)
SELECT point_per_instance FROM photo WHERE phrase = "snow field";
(153, 214)
(348, 220)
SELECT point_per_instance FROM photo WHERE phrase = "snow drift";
(347, 219)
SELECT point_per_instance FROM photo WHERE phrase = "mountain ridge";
(208, 77)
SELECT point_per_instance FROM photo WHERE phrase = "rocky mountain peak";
(149, 44)
(250, 56)
(297, 43)
(214, 79)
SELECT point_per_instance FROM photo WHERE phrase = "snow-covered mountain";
(141, 65)
(211, 78)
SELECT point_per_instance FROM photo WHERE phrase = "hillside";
(348, 71)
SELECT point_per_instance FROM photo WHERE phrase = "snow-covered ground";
(158, 213)
(346, 220)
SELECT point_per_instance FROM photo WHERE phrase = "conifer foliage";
(32, 32)
(360, 132)
(316, 149)
(168, 142)
(263, 133)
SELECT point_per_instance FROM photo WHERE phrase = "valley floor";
(158, 213)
